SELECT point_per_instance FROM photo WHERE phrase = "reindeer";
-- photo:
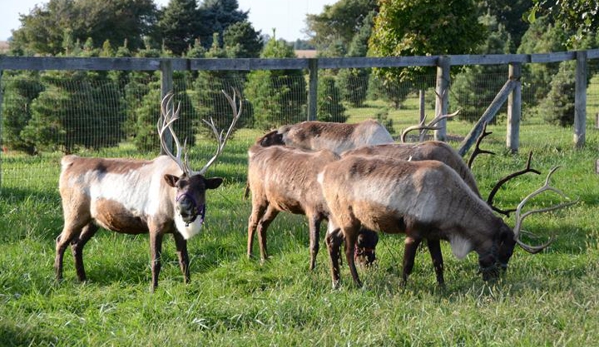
(283, 179)
(429, 150)
(337, 137)
(423, 199)
(133, 196)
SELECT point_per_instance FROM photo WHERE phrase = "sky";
(286, 16)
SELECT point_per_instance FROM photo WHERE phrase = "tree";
(42, 30)
(179, 25)
(578, 16)
(330, 108)
(353, 83)
(75, 109)
(477, 85)
(21, 89)
(338, 23)
(421, 27)
(278, 96)
(558, 106)
(206, 94)
(243, 41)
(216, 16)
(510, 14)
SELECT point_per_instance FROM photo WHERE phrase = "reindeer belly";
(112, 215)
(380, 218)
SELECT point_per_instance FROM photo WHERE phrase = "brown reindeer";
(428, 150)
(336, 137)
(283, 179)
(133, 196)
(423, 199)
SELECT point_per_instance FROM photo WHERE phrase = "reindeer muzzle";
(365, 256)
(189, 209)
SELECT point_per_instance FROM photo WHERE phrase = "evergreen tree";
(278, 96)
(330, 108)
(476, 86)
(179, 25)
(21, 89)
(207, 97)
(353, 83)
(243, 40)
(216, 16)
(558, 107)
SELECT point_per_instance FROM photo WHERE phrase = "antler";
(222, 141)
(477, 149)
(422, 126)
(520, 217)
(167, 117)
(504, 180)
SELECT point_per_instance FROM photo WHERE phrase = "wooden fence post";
(166, 86)
(442, 99)
(580, 99)
(514, 109)
(313, 88)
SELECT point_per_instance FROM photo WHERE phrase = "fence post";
(514, 109)
(442, 99)
(580, 99)
(166, 86)
(313, 88)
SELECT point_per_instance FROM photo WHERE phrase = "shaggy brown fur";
(424, 199)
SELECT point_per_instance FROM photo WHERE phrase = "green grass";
(545, 299)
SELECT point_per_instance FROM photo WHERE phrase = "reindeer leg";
(333, 240)
(156, 254)
(181, 245)
(314, 225)
(410, 247)
(351, 236)
(258, 211)
(270, 214)
(69, 233)
(77, 248)
(434, 248)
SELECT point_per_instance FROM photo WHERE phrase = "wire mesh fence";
(46, 114)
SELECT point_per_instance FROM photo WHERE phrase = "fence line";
(168, 67)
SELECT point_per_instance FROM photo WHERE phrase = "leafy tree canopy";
(421, 27)
(43, 29)
(581, 16)
(338, 22)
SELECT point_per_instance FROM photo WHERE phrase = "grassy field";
(547, 299)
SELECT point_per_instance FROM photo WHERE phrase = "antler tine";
(477, 149)
(415, 127)
(520, 217)
(168, 117)
(222, 140)
(502, 181)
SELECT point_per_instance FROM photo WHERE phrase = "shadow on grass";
(11, 335)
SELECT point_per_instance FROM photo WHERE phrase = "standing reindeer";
(423, 199)
(133, 196)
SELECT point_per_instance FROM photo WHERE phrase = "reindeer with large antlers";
(423, 199)
(134, 196)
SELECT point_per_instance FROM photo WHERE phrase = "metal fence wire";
(114, 113)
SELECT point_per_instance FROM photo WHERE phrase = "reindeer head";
(506, 239)
(273, 138)
(191, 186)
(365, 250)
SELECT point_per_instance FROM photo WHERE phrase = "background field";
(545, 299)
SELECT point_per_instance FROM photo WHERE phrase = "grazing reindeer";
(424, 199)
(337, 137)
(283, 178)
(429, 150)
(137, 196)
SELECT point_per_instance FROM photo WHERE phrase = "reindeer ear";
(213, 183)
(171, 180)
